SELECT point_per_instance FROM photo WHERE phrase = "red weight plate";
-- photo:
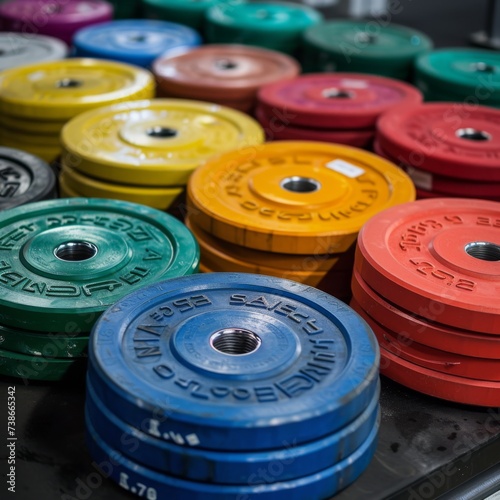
(445, 251)
(440, 185)
(450, 139)
(226, 72)
(336, 100)
(440, 385)
(430, 333)
(276, 131)
(433, 359)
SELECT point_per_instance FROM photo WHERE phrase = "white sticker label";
(421, 179)
(345, 168)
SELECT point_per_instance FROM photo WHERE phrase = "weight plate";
(27, 139)
(17, 50)
(187, 12)
(294, 197)
(60, 90)
(219, 254)
(33, 127)
(411, 325)
(433, 359)
(277, 131)
(31, 367)
(274, 25)
(440, 385)
(160, 198)
(466, 73)
(195, 374)
(65, 191)
(360, 46)
(446, 186)
(155, 143)
(134, 41)
(336, 100)
(229, 72)
(60, 19)
(48, 345)
(442, 251)
(23, 179)
(223, 467)
(134, 478)
(451, 139)
(63, 262)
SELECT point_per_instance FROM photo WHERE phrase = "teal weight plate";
(464, 72)
(63, 262)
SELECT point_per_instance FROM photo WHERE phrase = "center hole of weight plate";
(483, 67)
(483, 250)
(161, 132)
(471, 134)
(138, 38)
(68, 83)
(225, 64)
(338, 94)
(300, 184)
(235, 341)
(75, 251)
(369, 38)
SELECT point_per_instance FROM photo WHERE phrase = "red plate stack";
(448, 149)
(330, 107)
(427, 280)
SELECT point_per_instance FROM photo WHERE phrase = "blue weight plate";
(148, 483)
(290, 461)
(135, 41)
(234, 361)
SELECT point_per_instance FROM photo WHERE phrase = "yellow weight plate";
(31, 126)
(65, 191)
(294, 196)
(160, 198)
(59, 90)
(222, 256)
(157, 142)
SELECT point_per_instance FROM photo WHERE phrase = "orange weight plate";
(294, 197)
(439, 251)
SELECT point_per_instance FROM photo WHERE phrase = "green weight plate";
(363, 47)
(274, 25)
(49, 345)
(63, 262)
(467, 73)
(30, 367)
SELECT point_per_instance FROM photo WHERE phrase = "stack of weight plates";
(228, 74)
(24, 178)
(58, 19)
(145, 151)
(364, 47)
(37, 100)
(462, 75)
(426, 280)
(187, 12)
(290, 209)
(273, 25)
(229, 386)
(449, 150)
(18, 49)
(135, 41)
(63, 262)
(330, 107)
